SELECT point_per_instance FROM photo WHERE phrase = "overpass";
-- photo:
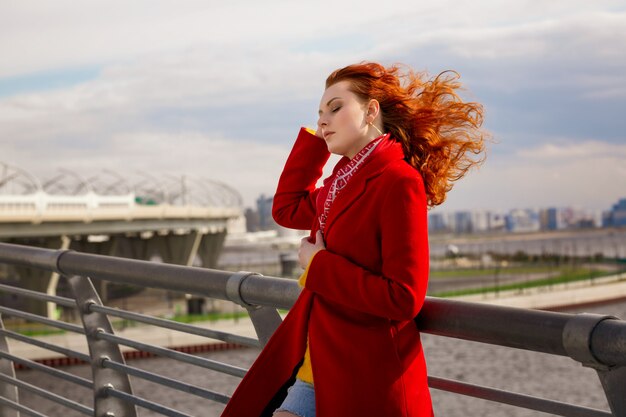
(180, 220)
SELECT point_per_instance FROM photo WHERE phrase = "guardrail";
(40, 202)
(41, 208)
(593, 340)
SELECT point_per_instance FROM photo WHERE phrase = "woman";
(349, 346)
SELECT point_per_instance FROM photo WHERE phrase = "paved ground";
(558, 296)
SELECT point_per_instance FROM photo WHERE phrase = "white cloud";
(180, 82)
(125, 96)
(577, 51)
(252, 168)
(567, 37)
(590, 174)
(37, 37)
(563, 151)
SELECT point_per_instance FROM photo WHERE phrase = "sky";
(218, 90)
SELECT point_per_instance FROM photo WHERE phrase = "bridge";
(591, 340)
(181, 220)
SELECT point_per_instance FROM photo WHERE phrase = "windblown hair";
(440, 133)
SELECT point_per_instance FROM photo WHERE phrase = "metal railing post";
(7, 390)
(614, 382)
(100, 351)
(264, 319)
(579, 335)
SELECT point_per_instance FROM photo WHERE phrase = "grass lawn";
(566, 275)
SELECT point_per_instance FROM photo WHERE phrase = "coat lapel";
(388, 152)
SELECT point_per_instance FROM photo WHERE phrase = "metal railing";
(595, 341)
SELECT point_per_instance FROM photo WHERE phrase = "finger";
(319, 238)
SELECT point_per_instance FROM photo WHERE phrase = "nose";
(322, 122)
(323, 119)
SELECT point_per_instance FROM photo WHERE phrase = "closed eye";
(328, 105)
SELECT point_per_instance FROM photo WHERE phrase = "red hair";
(440, 134)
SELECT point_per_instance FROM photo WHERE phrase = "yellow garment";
(305, 373)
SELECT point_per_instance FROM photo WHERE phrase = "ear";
(373, 109)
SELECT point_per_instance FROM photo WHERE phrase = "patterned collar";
(344, 174)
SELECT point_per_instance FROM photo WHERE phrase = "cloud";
(221, 88)
(589, 174)
(231, 93)
(69, 34)
(563, 151)
(529, 41)
(572, 51)
(251, 167)
(38, 37)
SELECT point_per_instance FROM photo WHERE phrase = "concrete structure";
(178, 220)
(617, 215)
(549, 219)
(519, 220)
(264, 208)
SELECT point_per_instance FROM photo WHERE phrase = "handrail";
(48, 395)
(542, 331)
(48, 369)
(595, 341)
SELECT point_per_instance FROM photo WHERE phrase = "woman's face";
(342, 120)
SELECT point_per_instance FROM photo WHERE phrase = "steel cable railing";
(168, 382)
(48, 395)
(19, 407)
(149, 405)
(62, 301)
(44, 345)
(42, 320)
(595, 341)
(515, 399)
(49, 370)
(172, 354)
(181, 327)
(105, 363)
(178, 356)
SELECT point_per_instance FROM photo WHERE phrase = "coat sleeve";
(294, 201)
(399, 292)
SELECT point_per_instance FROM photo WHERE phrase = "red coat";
(361, 293)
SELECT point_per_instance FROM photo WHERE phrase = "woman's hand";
(308, 249)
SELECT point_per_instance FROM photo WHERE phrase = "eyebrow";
(328, 103)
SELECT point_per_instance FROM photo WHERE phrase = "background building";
(522, 220)
(616, 217)
(264, 208)
(549, 219)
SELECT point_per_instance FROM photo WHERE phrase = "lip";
(327, 134)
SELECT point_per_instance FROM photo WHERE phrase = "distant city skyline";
(172, 183)
(214, 91)
(443, 209)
